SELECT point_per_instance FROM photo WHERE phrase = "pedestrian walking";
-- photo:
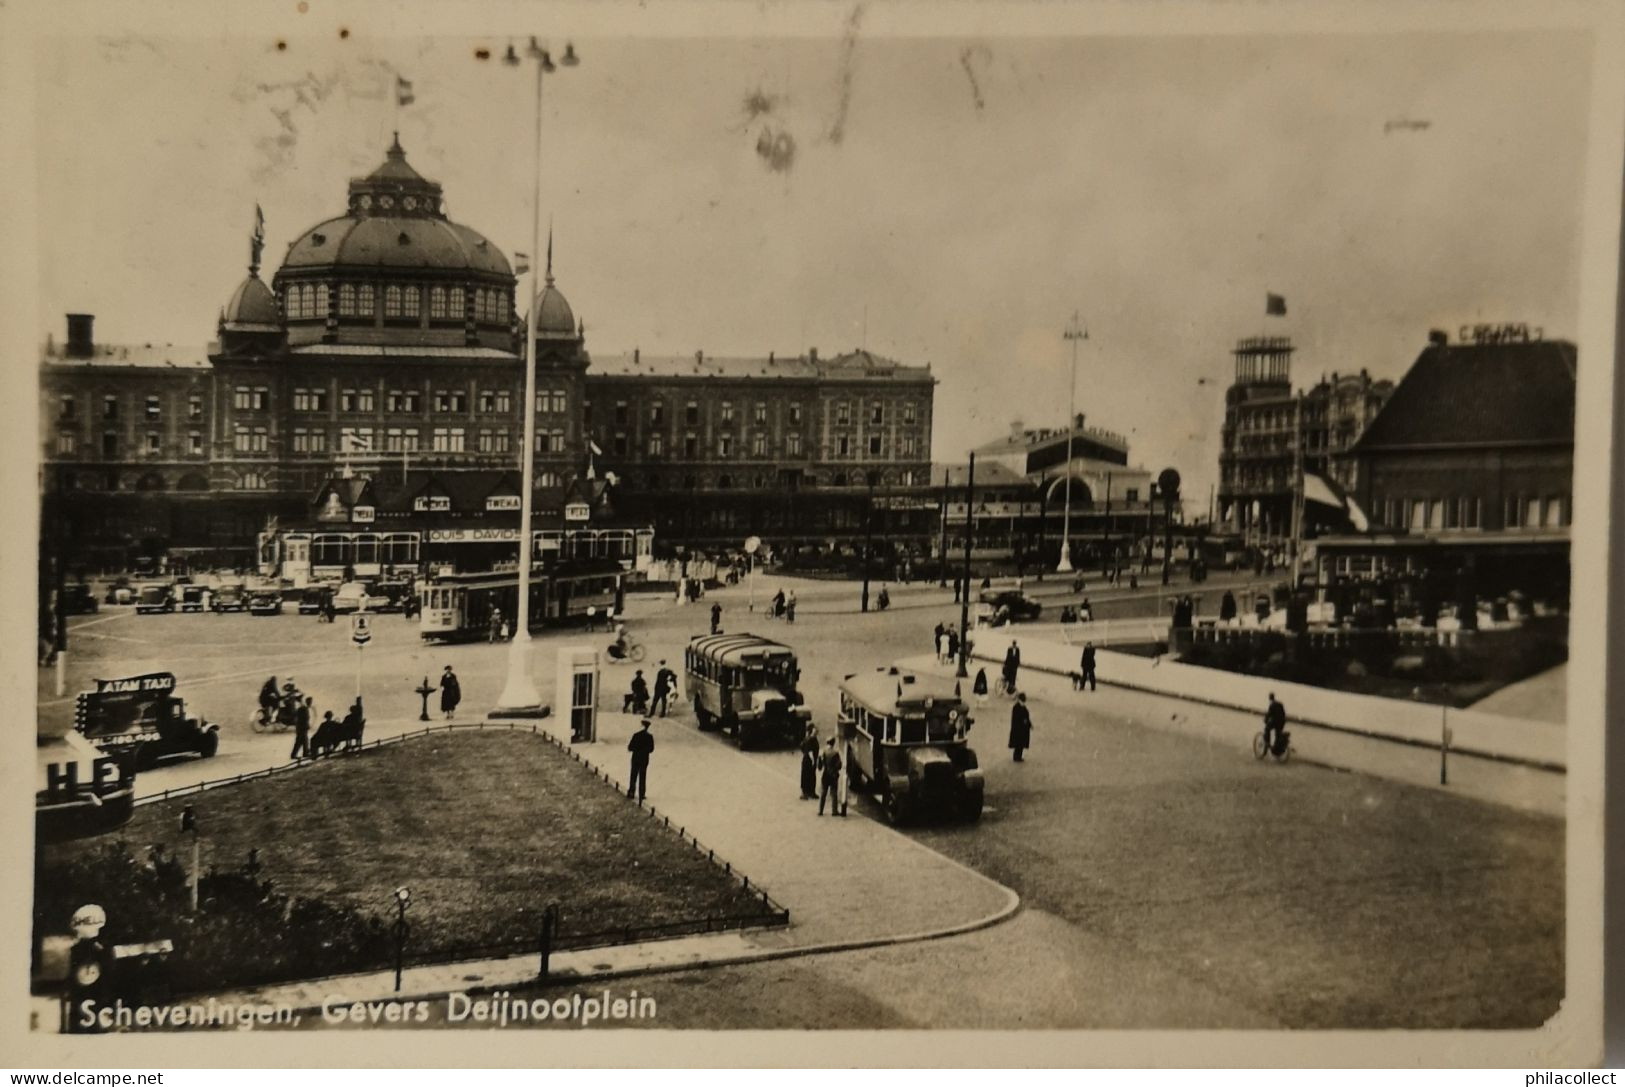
(451, 692)
(716, 618)
(495, 634)
(830, 780)
(953, 644)
(1088, 666)
(665, 683)
(809, 762)
(1021, 726)
(978, 686)
(940, 640)
(778, 604)
(301, 730)
(642, 745)
(637, 695)
(790, 607)
(1012, 666)
(1086, 611)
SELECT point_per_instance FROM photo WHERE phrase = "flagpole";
(1074, 332)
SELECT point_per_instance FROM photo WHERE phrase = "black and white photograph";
(1079, 524)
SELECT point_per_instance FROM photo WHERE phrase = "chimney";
(699, 357)
(770, 358)
(1016, 429)
(812, 354)
(1438, 337)
(81, 344)
(637, 356)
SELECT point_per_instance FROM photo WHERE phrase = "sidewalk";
(1541, 697)
(848, 882)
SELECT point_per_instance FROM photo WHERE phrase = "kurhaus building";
(389, 345)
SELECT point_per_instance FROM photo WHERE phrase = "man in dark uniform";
(1088, 666)
(1012, 667)
(830, 780)
(665, 683)
(301, 730)
(716, 617)
(1021, 726)
(641, 745)
(637, 697)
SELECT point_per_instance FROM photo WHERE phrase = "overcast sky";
(967, 195)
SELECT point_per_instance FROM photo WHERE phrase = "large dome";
(554, 318)
(394, 270)
(252, 308)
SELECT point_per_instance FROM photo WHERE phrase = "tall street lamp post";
(1075, 333)
(520, 690)
(964, 597)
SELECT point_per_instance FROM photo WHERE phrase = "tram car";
(139, 719)
(458, 607)
(746, 686)
(906, 739)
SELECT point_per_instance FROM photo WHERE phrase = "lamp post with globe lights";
(520, 690)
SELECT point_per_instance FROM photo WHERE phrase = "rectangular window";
(1418, 518)
(493, 441)
(1512, 512)
(657, 445)
(874, 445)
(908, 449)
(401, 439)
(155, 409)
(909, 413)
(495, 401)
(66, 440)
(242, 398)
(691, 414)
(1452, 512)
(356, 400)
(725, 445)
(843, 413)
(68, 409)
(355, 439)
(877, 415)
(657, 413)
(843, 446)
(251, 439)
(559, 401)
(1531, 517)
(758, 445)
(454, 401)
(760, 414)
(402, 401)
(109, 446)
(448, 439)
(1436, 513)
(392, 302)
(153, 443)
(194, 444)
(792, 444)
(555, 442)
(1555, 516)
(620, 445)
(727, 412)
(620, 413)
(795, 414)
(691, 446)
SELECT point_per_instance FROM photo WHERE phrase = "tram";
(458, 607)
(747, 686)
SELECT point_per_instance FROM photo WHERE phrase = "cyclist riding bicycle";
(619, 647)
(1274, 725)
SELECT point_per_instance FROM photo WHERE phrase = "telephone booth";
(577, 687)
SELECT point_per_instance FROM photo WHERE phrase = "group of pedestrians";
(637, 698)
(821, 772)
(784, 606)
(946, 640)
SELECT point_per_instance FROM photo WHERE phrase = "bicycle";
(1282, 750)
(633, 652)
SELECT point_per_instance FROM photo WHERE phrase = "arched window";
(499, 307)
(392, 301)
(307, 301)
(412, 300)
(481, 305)
(347, 300)
(152, 481)
(319, 309)
(364, 304)
(192, 481)
(437, 303)
(290, 304)
(454, 302)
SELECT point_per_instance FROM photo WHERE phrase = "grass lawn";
(485, 828)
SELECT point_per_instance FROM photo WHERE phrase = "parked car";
(155, 600)
(351, 596)
(1009, 606)
(192, 598)
(313, 597)
(230, 597)
(120, 592)
(390, 595)
(265, 602)
(77, 599)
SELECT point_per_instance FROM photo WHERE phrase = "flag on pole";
(1274, 305)
(521, 263)
(403, 92)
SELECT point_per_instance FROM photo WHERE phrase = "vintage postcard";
(996, 533)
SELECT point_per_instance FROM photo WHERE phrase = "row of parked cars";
(168, 596)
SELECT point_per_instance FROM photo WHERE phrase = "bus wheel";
(896, 810)
(970, 807)
(704, 719)
(744, 736)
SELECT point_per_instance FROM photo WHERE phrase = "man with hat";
(665, 683)
(641, 745)
(830, 765)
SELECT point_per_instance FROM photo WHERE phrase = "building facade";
(388, 344)
(1271, 434)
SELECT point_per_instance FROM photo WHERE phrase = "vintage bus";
(906, 740)
(458, 607)
(746, 686)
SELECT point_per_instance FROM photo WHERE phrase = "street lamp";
(403, 899)
(520, 690)
(1075, 332)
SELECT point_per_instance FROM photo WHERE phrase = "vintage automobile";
(265, 602)
(140, 719)
(313, 596)
(352, 596)
(77, 599)
(998, 607)
(391, 595)
(192, 598)
(155, 599)
(120, 592)
(906, 741)
(230, 596)
(746, 686)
